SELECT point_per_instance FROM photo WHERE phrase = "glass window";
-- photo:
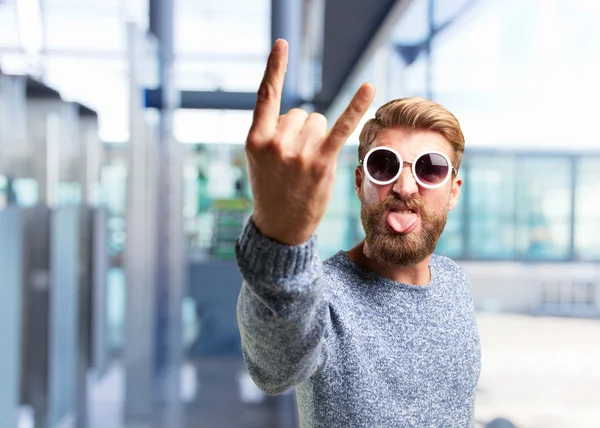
(510, 47)
(3, 192)
(9, 36)
(416, 77)
(332, 233)
(343, 189)
(212, 126)
(587, 209)
(114, 184)
(220, 74)
(413, 25)
(395, 71)
(447, 10)
(336, 231)
(223, 27)
(340, 103)
(98, 83)
(544, 207)
(356, 232)
(408, 68)
(26, 191)
(137, 11)
(490, 202)
(451, 243)
(84, 27)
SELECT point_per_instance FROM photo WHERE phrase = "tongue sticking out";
(401, 222)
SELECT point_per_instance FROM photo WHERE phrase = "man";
(383, 335)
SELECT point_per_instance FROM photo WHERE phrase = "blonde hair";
(414, 113)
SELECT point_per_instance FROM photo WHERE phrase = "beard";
(388, 246)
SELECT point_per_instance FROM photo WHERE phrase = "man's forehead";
(413, 140)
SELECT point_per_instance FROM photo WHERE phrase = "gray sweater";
(361, 350)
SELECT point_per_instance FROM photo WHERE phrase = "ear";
(455, 193)
(358, 180)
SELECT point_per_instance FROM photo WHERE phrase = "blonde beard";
(396, 249)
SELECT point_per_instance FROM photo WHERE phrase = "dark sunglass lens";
(432, 168)
(383, 165)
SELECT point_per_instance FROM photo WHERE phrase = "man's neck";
(417, 274)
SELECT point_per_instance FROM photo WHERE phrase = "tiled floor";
(540, 372)
(216, 402)
(536, 372)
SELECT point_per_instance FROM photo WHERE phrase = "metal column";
(50, 313)
(64, 365)
(13, 126)
(139, 250)
(286, 23)
(171, 261)
(11, 271)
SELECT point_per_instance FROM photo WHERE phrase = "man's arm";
(292, 159)
(282, 311)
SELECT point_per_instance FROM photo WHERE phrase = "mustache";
(395, 202)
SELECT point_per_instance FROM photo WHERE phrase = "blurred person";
(381, 335)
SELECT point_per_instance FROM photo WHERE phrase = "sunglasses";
(383, 165)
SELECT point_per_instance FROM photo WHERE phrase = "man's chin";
(397, 249)
(399, 259)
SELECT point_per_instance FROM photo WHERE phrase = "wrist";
(282, 234)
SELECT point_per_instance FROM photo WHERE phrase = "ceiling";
(84, 49)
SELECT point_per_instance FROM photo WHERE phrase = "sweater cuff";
(257, 254)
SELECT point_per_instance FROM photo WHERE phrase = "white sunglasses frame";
(402, 162)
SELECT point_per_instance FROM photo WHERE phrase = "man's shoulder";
(448, 266)
(339, 270)
(336, 263)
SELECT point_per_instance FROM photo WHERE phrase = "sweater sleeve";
(282, 312)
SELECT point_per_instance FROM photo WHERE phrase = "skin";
(292, 162)
(292, 159)
(409, 144)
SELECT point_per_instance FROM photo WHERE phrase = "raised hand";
(292, 158)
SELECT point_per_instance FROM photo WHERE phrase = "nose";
(406, 185)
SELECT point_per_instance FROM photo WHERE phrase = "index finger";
(349, 120)
(268, 97)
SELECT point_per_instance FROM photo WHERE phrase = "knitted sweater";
(361, 350)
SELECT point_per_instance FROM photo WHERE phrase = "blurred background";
(123, 188)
